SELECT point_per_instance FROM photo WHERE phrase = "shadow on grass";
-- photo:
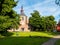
(6, 34)
(28, 40)
(55, 33)
(31, 40)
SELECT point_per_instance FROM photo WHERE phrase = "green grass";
(45, 34)
(23, 40)
(26, 38)
(57, 42)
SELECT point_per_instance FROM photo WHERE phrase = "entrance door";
(22, 29)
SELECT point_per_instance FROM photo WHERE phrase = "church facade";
(24, 21)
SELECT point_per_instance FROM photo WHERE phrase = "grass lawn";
(26, 38)
(58, 42)
(45, 34)
(23, 40)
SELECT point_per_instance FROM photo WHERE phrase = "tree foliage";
(8, 17)
(57, 2)
(35, 20)
(41, 23)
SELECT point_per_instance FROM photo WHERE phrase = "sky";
(45, 7)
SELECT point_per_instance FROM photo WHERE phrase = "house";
(58, 26)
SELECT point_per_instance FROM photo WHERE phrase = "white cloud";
(47, 7)
(41, 7)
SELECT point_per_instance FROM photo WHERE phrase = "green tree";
(41, 23)
(8, 17)
(57, 2)
(34, 20)
(50, 23)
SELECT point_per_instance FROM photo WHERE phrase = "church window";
(22, 18)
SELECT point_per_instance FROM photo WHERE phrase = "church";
(24, 22)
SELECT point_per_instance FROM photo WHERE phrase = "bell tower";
(23, 21)
(22, 11)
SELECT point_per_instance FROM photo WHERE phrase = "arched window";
(22, 18)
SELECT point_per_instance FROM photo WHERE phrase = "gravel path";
(52, 40)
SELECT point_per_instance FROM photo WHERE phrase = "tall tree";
(35, 20)
(8, 17)
(50, 23)
(41, 23)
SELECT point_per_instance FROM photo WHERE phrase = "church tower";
(22, 11)
(23, 21)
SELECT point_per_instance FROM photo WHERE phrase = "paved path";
(52, 41)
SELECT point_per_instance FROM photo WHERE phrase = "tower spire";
(22, 11)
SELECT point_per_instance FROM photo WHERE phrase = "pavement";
(52, 40)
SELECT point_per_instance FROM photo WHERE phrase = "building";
(58, 26)
(24, 21)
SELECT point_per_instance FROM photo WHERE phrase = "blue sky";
(45, 7)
